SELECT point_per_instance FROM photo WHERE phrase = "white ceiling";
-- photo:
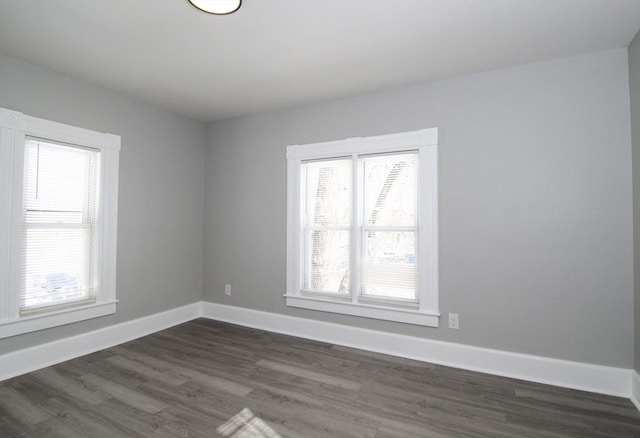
(281, 53)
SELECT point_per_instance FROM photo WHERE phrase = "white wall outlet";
(227, 289)
(454, 321)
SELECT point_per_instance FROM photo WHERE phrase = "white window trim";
(14, 127)
(425, 141)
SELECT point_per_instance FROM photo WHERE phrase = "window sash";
(54, 293)
(405, 274)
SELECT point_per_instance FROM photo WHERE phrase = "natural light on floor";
(246, 425)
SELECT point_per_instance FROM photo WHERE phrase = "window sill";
(34, 323)
(429, 319)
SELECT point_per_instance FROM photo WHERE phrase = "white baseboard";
(594, 378)
(30, 359)
(635, 389)
(568, 374)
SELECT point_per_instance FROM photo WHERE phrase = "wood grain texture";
(206, 379)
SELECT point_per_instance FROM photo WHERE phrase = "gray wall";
(634, 86)
(535, 200)
(160, 198)
(536, 250)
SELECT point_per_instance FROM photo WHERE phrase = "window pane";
(389, 267)
(328, 192)
(58, 245)
(56, 182)
(390, 189)
(55, 267)
(327, 205)
(327, 261)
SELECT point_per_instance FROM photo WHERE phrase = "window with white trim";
(58, 223)
(362, 228)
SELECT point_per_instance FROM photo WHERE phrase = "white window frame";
(14, 128)
(425, 142)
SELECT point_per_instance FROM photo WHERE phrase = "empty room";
(320, 218)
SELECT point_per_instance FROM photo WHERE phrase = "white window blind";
(389, 266)
(58, 265)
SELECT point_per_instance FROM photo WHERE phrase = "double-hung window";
(58, 223)
(362, 231)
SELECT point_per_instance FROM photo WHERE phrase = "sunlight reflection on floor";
(246, 425)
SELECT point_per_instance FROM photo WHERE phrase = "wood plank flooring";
(209, 379)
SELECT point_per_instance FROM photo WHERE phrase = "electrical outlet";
(454, 321)
(227, 289)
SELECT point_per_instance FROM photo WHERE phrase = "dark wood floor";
(209, 379)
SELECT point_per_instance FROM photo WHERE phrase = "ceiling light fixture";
(217, 7)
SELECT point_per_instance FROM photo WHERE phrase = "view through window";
(362, 227)
(387, 190)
